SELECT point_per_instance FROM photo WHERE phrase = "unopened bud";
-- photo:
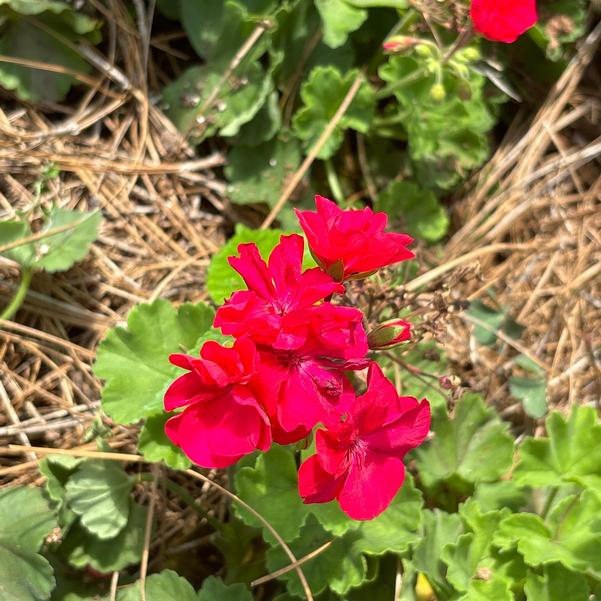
(449, 382)
(389, 334)
(424, 50)
(400, 43)
(470, 54)
(437, 92)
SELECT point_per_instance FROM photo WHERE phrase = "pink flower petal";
(315, 485)
(371, 485)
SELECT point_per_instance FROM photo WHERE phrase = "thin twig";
(148, 530)
(325, 135)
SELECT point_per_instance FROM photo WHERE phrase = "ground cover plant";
(218, 384)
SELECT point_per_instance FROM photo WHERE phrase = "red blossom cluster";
(503, 20)
(287, 369)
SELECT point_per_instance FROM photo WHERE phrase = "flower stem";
(333, 181)
(399, 83)
(19, 297)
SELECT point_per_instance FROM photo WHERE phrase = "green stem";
(549, 503)
(185, 496)
(19, 297)
(391, 87)
(398, 4)
(333, 181)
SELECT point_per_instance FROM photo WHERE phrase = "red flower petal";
(503, 20)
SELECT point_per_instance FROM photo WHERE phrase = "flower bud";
(437, 92)
(389, 334)
(470, 54)
(424, 50)
(400, 43)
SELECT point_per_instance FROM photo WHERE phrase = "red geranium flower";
(223, 419)
(503, 20)
(359, 460)
(275, 292)
(351, 243)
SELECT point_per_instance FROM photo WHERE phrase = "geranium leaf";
(439, 529)
(60, 251)
(570, 536)
(99, 492)
(570, 454)
(495, 320)
(166, 586)
(504, 493)
(259, 176)
(12, 231)
(473, 446)
(134, 361)
(24, 574)
(556, 584)
(322, 93)
(222, 280)
(80, 548)
(532, 392)
(25, 521)
(214, 589)
(339, 19)
(263, 127)
(240, 99)
(416, 209)
(22, 39)
(154, 444)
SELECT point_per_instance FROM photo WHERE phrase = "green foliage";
(261, 176)
(416, 209)
(55, 252)
(322, 94)
(213, 589)
(570, 454)
(98, 492)
(556, 584)
(571, 535)
(25, 521)
(155, 446)
(48, 39)
(339, 19)
(472, 447)
(489, 320)
(134, 361)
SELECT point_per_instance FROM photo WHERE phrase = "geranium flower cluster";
(503, 20)
(287, 370)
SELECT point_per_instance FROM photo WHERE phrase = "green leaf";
(135, 361)
(417, 209)
(472, 551)
(297, 26)
(222, 280)
(165, 586)
(264, 125)
(322, 93)
(489, 590)
(213, 589)
(25, 521)
(339, 19)
(99, 493)
(504, 493)
(240, 99)
(155, 445)
(556, 584)
(60, 251)
(11, 231)
(80, 548)
(25, 517)
(532, 393)
(473, 446)
(570, 454)
(340, 566)
(21, 38)
(217, 30)
(259, 175)
(439, 529)
(571, 535)
(24, 575)
(495, 320)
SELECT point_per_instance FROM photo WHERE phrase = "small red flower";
(351, 243)
(223, 419)
(503, 20)
(359, 460)
(388, 334)
(266, 311)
